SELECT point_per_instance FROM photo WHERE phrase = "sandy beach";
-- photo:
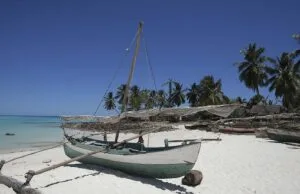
(237, 164)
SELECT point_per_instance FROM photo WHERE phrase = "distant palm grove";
(280, 75)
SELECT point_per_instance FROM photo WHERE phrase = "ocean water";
(30, 131)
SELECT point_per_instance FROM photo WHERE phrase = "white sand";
(237, 164)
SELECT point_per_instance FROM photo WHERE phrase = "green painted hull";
(144, 170)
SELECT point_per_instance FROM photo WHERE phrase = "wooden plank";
(204, 139)
(182, 140)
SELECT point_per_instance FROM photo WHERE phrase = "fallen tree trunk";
(17, 186)
(281, 117)
(288, 121)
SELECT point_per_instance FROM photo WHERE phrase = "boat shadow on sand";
(150, 181)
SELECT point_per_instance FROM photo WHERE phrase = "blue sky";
(58, 57)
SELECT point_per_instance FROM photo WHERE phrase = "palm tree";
(285, 77)
(161, 98)
(252, 69)
(109, 101)
(177, 96)
(210, 92)
(240, 100)
(135, 98)
(148, 98)
(151, 100)
(120, 93)
(170, 84)
(193, 95)
(256, 99)
(226, 99)
(144, 95)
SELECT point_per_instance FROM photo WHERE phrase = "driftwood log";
(287, 121)
(17, 186)
(283, 117)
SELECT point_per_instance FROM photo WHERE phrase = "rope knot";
(29, 176)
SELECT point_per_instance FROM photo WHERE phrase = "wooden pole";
(191, 140)
(31, 173)
(136, 52)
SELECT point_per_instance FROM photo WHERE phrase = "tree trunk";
(17, 186)
(257, 91)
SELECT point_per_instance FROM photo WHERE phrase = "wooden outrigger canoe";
(135, 158)
(283, 136)
(235, 130)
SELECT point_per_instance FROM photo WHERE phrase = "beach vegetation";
(252, 68)
(285, 78)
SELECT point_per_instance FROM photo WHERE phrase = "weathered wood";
(200, 125)
(211, 139)
(277, 117)
(182, 140)
(17, 186)
(283, 136)
(2, 162)
(187, 140)
(136, 51)
(236, 130)
(286, 121)
(261, 132)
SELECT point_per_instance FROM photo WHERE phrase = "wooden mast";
(133, 62)
(136, 52)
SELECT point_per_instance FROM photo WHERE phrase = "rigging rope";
(60, 144)
(148, 62)
(116, 72)
(47, 148)
(122, 61)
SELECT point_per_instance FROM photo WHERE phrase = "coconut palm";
(120, 93)
(151, 100)
(285, 77)
(161, 98)
(210, 91)
(256, 99)
(144, 95)
(109, 101)
(135, 98)
(252, 69)
(148, 98)
(177, 96)
(226, 99)
(193, 95)
(170, 84)
(240, 100)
